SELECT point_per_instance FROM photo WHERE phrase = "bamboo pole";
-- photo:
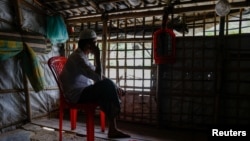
(2, 92)
(141, 12)
(27, 97)
(109, 48)
(18, 13)
(220, 70)
(104, 41)
(125, 70)
(239, 66)
(25, 81)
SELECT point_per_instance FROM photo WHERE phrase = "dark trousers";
(104, 93)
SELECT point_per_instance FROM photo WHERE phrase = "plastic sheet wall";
(13, 102)
(12, 97)
(6, 10)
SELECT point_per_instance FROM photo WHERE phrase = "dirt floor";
(38, 130)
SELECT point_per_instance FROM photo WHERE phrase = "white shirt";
(78, 73)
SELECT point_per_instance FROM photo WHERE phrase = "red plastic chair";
(56, 65)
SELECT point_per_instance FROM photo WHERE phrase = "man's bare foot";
(117, 134)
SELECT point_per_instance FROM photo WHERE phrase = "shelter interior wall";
(209, 76)
(190, 93)
(206, 86)
(14, 104)
(12, 94)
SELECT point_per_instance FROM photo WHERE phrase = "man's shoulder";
(75, 56)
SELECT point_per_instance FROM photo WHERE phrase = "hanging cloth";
(29, 62)
(56, 29)
(9, 48)
(32, 68)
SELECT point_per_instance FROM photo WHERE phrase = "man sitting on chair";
(83, 82)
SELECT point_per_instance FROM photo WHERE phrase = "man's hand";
(120, 92)
(96, 51)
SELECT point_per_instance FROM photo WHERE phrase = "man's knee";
(108, 81)
(106, 84)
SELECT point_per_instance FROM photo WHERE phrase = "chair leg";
(102, 118)
(90, 124)
(60, 122)
(73, 118)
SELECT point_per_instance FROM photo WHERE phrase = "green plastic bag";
(56, 29)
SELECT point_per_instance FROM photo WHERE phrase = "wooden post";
(27, 97)
(25, 82)
(220, 70)
(104, 41)
(18, 13)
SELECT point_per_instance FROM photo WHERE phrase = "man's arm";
(88, 71)
(98, 66)
(98, 69)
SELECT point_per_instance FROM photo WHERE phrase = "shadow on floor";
(34, 131)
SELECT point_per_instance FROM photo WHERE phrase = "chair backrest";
(56, 65)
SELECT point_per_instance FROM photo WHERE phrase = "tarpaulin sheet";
(13, 103)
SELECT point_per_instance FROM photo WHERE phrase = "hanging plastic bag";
(56, 29)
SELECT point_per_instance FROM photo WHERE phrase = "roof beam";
(129, 14)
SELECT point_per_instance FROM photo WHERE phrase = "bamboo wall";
(207, 85)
